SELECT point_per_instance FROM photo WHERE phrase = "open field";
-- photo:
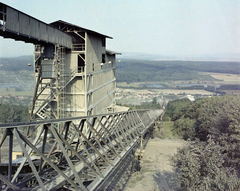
(170, 87)
(235, 78)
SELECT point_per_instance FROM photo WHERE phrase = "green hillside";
(136, 70)
(147, 71)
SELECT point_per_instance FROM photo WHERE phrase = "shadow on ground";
(166, 181)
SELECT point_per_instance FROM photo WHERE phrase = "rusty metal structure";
(77, 142)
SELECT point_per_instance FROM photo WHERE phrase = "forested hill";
(142, 70)
(211, 159)
(16, 63)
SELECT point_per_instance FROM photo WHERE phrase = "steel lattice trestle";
(80, 155)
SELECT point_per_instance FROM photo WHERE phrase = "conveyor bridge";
(81, 153)
(17, 25)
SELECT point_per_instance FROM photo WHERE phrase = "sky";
(157, 27)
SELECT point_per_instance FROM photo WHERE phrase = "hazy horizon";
(166, 27)
(157, 57)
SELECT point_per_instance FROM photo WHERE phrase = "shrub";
(199, 166)
(212, 161)
(184, 128)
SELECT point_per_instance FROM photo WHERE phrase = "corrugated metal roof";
(77, 28)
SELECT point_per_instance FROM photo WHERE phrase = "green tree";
(13, 113)
(184, 128)
(154, 101)
(200, 166)
(215, 153)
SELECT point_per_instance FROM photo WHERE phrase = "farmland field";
(235, 78)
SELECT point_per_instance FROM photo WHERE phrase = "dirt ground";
(156, 172)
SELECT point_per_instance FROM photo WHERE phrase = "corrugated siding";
(34, 28)
(22, 24)
(12, 19)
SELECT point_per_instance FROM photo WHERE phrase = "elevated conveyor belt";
(80, 153)
(17, 25)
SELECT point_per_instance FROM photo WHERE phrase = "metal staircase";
(45, 105)
(56, 89)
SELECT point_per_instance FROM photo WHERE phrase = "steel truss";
(49, 94)
(83, 152)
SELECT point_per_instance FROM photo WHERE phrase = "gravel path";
(156, 172)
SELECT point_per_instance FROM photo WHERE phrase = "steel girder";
(79, 155)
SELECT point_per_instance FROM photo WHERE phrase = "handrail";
(22, 124)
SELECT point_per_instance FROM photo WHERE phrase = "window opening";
(104, 42)
(103, 58)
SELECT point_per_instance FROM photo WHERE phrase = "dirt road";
(156, 172)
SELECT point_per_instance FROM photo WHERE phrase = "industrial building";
(74, 77)
(75, 82)
(74, 72)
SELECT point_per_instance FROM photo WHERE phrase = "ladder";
(62, 84)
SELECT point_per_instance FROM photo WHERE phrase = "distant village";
(131, 97)
(122, 98)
